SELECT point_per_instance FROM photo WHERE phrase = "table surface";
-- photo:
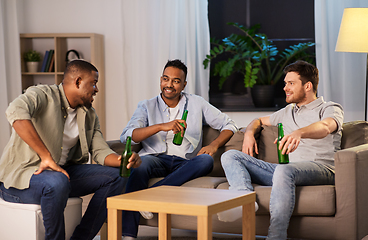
(181, 200)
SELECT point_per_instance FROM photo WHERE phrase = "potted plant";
(256, 57)
(32, 58)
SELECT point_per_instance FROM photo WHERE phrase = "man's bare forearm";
(255, 125)
(319, 129)
(140, 134)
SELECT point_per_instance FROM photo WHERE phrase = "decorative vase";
(32, 66)
(263, 95)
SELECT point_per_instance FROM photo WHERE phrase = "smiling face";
(172, 84)
(88, 88)
(294, 89)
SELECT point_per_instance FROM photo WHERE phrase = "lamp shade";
(353, 34)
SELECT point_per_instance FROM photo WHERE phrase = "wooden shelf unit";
(89, 45)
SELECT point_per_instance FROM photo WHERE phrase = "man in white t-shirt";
(154, 124)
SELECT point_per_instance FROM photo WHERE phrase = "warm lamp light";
(353, 36)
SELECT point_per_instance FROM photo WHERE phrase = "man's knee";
(232, 156)
(204, 162)
(283, 172)
(144, 168)
(208, 160)
(228, 156)
(57, 183)
(283, 169)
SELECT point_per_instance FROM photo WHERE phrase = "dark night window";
(286, 22)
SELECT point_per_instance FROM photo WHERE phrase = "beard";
(87, 102)
(88, 105)
(296, 97)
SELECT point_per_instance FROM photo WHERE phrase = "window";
(286, 22)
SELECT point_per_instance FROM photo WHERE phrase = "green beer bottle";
(178, 139)
(283, 158)
(124, 171)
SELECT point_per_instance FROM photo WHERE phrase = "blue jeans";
(241, 170)
(52, 189)
(176, 171)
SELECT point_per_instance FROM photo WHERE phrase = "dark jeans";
(52, 189)
(176, 171)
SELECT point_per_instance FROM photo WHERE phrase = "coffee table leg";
(249, 222)
(164, 226)
(114, 224)
(204, 227)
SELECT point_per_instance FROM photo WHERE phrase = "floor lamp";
(353, 37)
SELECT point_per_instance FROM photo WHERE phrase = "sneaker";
(232, 214)
(146, 215)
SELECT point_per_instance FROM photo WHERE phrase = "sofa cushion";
(210, 134)
(205, 182)
(354, 133)
(309, 200)
(267, 150)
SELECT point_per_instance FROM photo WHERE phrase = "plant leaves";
(254, 55)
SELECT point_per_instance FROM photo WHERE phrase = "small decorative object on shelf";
(32, 58)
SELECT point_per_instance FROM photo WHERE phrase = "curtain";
(9, 63)
(155, 31)
(342, 75)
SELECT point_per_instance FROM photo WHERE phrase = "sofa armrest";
(351, 179)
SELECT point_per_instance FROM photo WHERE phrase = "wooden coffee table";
(167, 200)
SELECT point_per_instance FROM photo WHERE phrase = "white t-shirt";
(71, 134)
(173, 149)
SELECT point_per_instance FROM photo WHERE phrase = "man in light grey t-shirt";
(312, 135)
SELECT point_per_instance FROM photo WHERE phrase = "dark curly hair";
(177, 64)
(79, 65)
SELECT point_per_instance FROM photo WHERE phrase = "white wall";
(242, 119)
(85, 16)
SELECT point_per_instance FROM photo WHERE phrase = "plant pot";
(263, 95)
(32, 66)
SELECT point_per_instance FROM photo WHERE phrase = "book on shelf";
(51, 53)
(51, 68)
(45, 57)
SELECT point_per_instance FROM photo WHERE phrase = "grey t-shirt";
(293, 117)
